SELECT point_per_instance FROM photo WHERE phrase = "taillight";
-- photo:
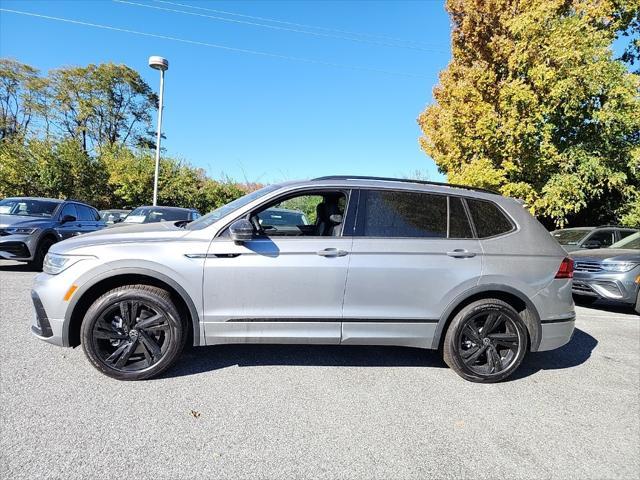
(566, 269)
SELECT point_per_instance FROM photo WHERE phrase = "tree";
(22, 97)
(102, 105)
(535, 105)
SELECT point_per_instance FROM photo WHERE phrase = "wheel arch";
(100, 284)
(512, 296)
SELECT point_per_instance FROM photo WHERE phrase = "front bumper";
(17, 247)
(621, 287)
(45, 328)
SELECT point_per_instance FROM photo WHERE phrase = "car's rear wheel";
(486, 341)
(133, 332)
(41, 252)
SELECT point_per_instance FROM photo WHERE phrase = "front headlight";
(618, 266)
(54, 263)
(21, 231)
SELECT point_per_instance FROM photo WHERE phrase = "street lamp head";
(158, 63)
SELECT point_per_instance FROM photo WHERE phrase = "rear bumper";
(556, 333)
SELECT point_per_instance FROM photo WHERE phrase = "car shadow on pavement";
(204, 359)
(574, 353)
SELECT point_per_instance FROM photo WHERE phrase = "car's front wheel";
(486, 341)
(41, 252)
(133, 332)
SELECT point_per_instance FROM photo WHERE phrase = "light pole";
(162, 64)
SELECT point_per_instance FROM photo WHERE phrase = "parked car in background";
(159, 214)
(384, 262)
(113, 216)
(29, 226)
(578, 238)
(612, 273)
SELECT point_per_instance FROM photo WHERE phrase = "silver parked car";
(611, 273)
(581, 238)
(381, 262)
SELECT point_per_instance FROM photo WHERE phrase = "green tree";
(102, 105)
(23, 95)
(535, 105)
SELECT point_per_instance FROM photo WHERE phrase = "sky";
(339, 92)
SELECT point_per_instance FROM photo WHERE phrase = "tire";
(117, 343)
(637, 307)
(41, 251)
(490, 357)
(584, 299)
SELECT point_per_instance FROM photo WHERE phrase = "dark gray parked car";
(29, 226)
(612, 273)
(579, 238)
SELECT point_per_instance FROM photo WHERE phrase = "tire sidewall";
(452, 355)
(41, 251)
(156, 301)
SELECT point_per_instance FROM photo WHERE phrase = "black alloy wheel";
(486, 341)
(133, 332)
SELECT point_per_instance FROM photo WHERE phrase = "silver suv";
(376, 262)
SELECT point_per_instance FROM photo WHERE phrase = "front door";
(285, 285)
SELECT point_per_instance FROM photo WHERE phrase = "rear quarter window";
(488, 218)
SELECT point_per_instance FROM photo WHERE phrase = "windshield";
(30, 208)
(223, 211)
(569, 237)
(154, 214)
(632, 242)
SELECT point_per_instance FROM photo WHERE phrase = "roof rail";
(404, 180)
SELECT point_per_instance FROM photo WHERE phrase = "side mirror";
(592, 244)
(118, 220)
(241, 231)
(67, 219)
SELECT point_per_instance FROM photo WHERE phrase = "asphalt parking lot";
(319, 412)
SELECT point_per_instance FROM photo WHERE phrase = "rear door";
(412, 252)
(89, 218)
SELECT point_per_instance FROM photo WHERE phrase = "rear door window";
(394, 214)
(488, 218)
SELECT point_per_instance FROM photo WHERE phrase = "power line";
(281, 28)
(213, 45)
(302, 25)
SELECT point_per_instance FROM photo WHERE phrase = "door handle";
(332, 252)
(461, 253)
